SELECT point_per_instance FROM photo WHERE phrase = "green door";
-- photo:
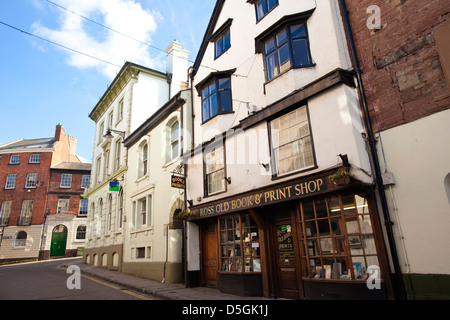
(58, 244)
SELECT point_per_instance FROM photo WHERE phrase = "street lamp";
(108, 135)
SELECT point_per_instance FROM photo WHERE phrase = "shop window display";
(337, 238)
(239, 244)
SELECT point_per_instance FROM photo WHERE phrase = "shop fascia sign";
(268, 196)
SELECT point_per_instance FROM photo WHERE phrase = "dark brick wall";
(401, 62)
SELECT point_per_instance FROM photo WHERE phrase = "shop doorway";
(210, 258)
(287, 283)
(58, 243)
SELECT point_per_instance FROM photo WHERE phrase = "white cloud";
(126, 16)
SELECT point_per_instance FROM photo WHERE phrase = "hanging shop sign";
(178, 182)
(273, 195)
(114, 186)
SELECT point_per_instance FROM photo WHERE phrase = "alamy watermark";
(74, 281)
(374, 20)
(374, 279)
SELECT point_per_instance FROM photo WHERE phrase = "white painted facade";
(117, 235)
(333, 114)
(417, 156)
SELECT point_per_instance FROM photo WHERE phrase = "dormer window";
(215, 92)
(262, 7)
(222, 39)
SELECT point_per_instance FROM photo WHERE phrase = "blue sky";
(42, 84)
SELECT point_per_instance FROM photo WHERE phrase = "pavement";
(165, 291)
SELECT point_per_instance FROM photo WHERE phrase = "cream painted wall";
(418, 155)
(165, 199)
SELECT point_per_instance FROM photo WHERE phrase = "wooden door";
(286, 263)
(210, 259)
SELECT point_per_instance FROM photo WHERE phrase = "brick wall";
(403, 73)
(20, 193)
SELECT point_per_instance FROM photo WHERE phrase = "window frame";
(174, 141)
(26, 212)
(273, 158)
(64, 181)
(267, 2)
(247, 253)
(224, 45)
(206, 174)
(22, 242)
(35, 158)
(14, 159)
(220, 95)
(5, 212)
(63, 206)
(11, 180)
(334, 228)
(80, 234)
(84, 207)
(31, 181)
(85, 181)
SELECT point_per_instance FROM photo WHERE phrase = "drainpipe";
(373, 155)
(166, 230)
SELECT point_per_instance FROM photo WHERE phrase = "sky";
(58, 57)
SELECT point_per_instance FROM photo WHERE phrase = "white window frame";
(214, 158)
(20, 243)
(35, 158)
(11, 181)
(84, 204)
(31, 181)
(85, 181)
(63, 206)
(65, 181)
(5, 211)
(14, 159)
(26, 212)
(291, 143)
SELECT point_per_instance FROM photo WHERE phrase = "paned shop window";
(291, 142)
(337, 238)
(239, 244)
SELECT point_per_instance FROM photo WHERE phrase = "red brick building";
(24, 183)
(402, 58)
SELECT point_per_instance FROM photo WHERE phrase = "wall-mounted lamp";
(344, 159)
(191, 202)
(109, 136)
(265, 165)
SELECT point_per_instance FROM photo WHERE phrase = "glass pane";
(308, 210)
(271, 4)
(321, 208)
(310, 227)
(225, 101)
(361, 205)
(226, 41)
(205, 110)
(284, 57)
(224, 83)
(281, 38)
(301, 54)
(336, 226)
(272, 68)
(261, 9)
(348, 202)
(333, 203)
(214, 107)
(365, 223)
(219, 47)
(270, 46)
(369, 245)
(298, 31)
(324, 227)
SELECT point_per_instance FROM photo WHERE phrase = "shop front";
(308, 238)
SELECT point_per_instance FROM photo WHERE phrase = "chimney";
(177, 66)
(59, 132)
